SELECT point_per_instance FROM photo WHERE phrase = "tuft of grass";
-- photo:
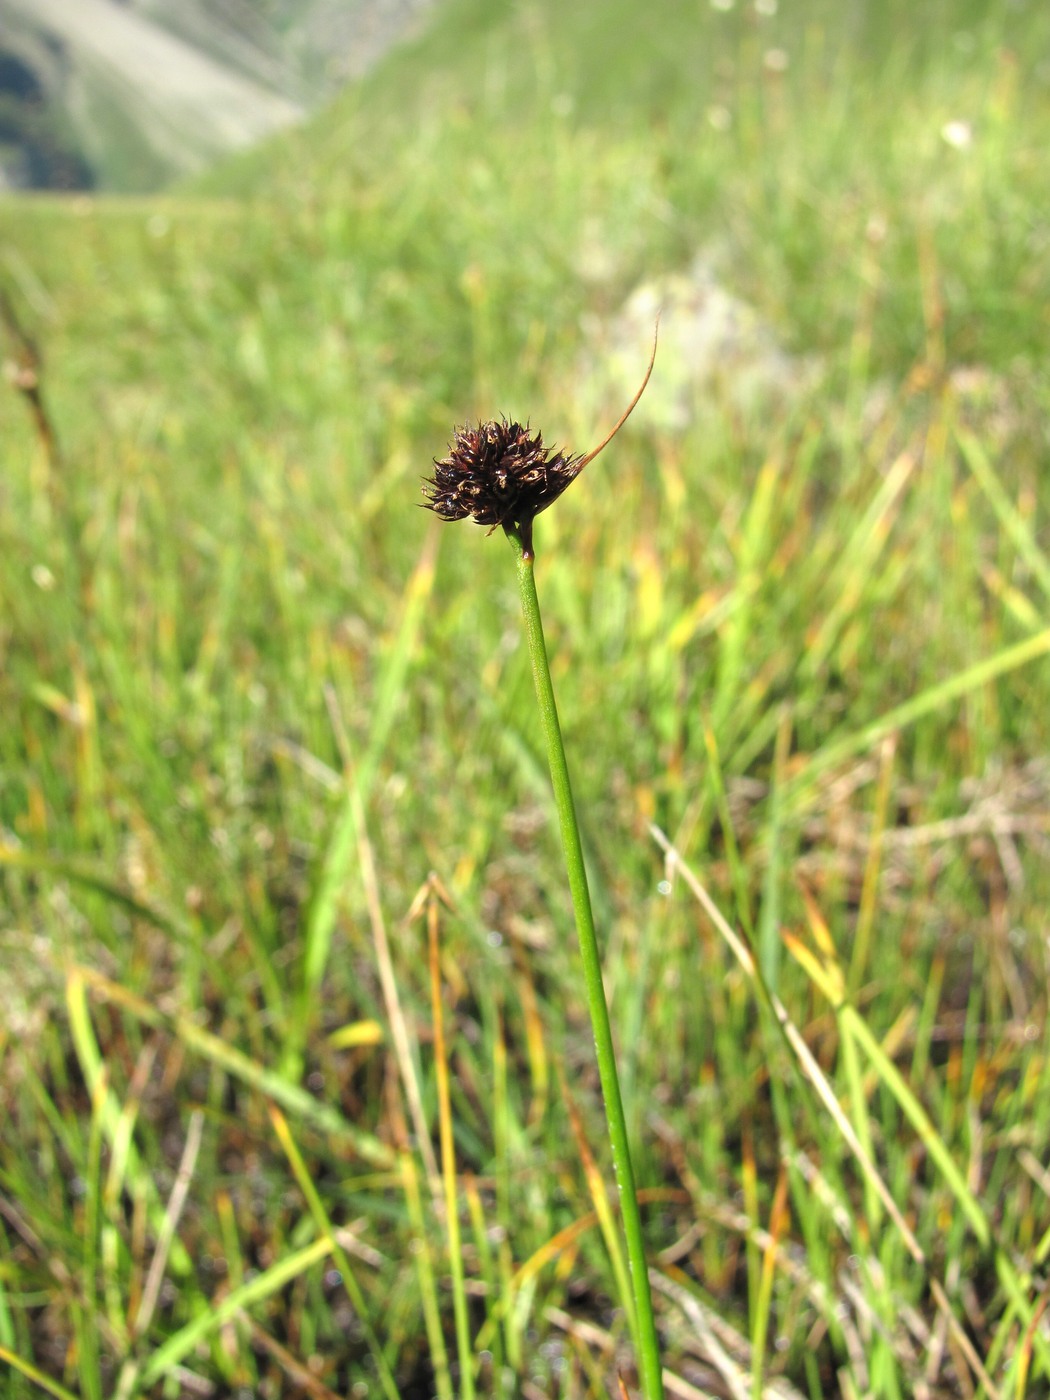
(243, 723)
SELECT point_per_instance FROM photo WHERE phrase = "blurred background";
(131, 94)
(256, 261)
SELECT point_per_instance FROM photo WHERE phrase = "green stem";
(646, 1339)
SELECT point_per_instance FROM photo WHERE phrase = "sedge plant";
(501, 474)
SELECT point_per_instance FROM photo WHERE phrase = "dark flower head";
(501, 474)
(498, 474)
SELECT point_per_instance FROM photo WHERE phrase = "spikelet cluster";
(498, 473)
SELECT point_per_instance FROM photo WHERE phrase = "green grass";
(239, 670)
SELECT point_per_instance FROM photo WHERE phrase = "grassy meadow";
(270, 763)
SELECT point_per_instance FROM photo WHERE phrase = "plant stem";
(645, 1331)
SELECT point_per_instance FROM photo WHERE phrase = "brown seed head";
(501, 473)
(498, 474)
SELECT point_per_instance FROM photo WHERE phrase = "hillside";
(296, 1071)
(111, 95)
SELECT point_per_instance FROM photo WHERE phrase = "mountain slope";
(147, 93)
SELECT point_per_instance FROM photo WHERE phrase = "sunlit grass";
(239, 669)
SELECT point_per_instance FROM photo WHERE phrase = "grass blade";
(34, 1374)
(346, 1269)
(799, 789)
(291, 1097)
(182, 1342)
(338, 858)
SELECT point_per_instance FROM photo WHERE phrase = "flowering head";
(500, 473)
